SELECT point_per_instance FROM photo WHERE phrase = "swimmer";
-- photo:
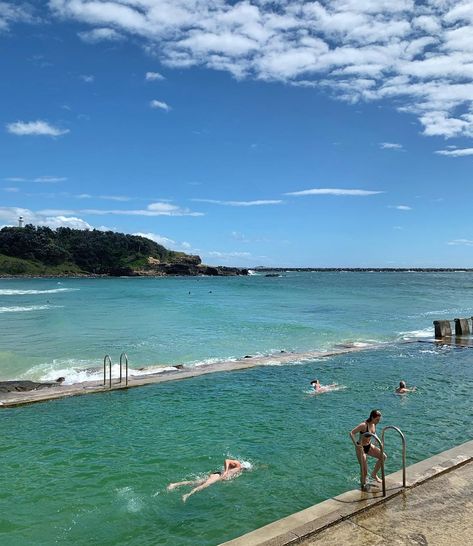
(364, 447)
(232, 469)
(403, 389)
(315, 384)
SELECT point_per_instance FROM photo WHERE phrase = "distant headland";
(33, 251)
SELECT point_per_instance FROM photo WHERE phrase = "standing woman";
(364, 447)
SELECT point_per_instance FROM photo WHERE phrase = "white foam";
(22, 309)
(426, 332)
(134, 503)
(9, 292)
(214, 360)
(252, 273)
(80, 371)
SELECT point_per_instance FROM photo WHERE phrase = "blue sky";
(251, 133)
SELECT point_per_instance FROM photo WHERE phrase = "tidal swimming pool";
(94, 469)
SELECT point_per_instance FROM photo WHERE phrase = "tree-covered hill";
(37, 251)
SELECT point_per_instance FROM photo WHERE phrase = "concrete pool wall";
(302, 526)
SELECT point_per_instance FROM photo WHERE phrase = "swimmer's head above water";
(402, 384)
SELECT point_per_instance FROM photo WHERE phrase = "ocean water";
(64, 327)
(94, 469)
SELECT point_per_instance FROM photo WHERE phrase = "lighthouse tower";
(20, 221)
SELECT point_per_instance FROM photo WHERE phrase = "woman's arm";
(357, 429)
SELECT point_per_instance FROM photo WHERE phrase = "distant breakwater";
(365, 269)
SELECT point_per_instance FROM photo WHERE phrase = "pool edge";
(309, 522)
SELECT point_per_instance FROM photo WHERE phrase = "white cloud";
(11, 215)
(160, 105)
(334, 191)
(461, 242)
(390, 146)
(153, 76)
(11, 189)
(87, 78)
(120, 198)
(50, 179)
(100, 35)
(64, 221)
(461, 152)
(42, 179)
(400, 207)
(165, 241)
(38, 127)
(216, 254)
(17, 12)
(256, 203)
(414, 53)
(153, 209)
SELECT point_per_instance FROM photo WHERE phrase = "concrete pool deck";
(436, 508)
(15, 398)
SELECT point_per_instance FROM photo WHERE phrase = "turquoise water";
(52, 328)
(94, 469)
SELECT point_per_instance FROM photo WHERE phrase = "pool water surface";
(94, 469)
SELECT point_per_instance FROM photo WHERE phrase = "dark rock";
(23, 386)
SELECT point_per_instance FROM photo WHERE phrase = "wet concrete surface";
(439, 512)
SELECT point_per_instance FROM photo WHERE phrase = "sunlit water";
(54, 328)
(94, 469)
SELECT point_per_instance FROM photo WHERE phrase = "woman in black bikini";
(231, 469)
(364, 447)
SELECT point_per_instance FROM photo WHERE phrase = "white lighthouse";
(20, 221)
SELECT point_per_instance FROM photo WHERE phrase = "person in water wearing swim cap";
(365, 447)
(315, 384)
(403, 389)
(232, 468)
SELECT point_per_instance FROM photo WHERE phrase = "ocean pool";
(94, 469)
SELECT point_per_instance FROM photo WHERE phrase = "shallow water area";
(95, 469)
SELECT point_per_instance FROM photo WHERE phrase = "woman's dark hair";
(313, 381)
(374, 413)
(402, 384)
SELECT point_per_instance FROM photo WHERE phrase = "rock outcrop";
(21, 386)
(187, 265)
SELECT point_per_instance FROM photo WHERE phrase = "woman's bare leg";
(376, 452)
(172, 486)
(361, 456)
(213, 478)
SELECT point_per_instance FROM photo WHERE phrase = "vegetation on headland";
(40, 251)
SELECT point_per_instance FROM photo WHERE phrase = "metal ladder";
(381, 448)
(108, 360)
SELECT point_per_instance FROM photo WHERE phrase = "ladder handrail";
(106, 359)
(124, 356)
(403, 438)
